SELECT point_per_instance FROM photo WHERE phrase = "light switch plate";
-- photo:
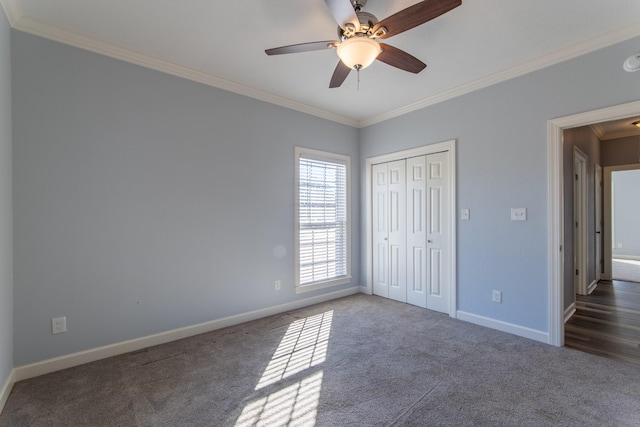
(464, 214)
(518, 214)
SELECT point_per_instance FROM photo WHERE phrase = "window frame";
(311, 154)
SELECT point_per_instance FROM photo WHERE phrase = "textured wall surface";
(6, 210)
(145, 202)
(501, 134)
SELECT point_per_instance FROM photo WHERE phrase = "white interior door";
(411, 232)
(380, 209)
(417, 231)
(397, 231)
(438, 232)
(389, 230)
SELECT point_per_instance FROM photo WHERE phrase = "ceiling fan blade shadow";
(343, 13)
(400, 59)
(415, 15)
(339, 75)
(302, 47)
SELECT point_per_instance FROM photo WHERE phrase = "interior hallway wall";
(621, 151)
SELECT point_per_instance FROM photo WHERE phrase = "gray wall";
(626, 206)
(145, 202)
(501, 134)
(621, 151)
(588, 142)
(6, 228)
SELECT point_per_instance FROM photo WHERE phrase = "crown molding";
(620, 134)
(51, 32)
(32, 26)
(597, 129)
(582, 48)
(11, 11)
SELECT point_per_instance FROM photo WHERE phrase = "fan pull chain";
(358, 68)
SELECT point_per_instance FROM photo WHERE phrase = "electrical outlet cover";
(59, 325)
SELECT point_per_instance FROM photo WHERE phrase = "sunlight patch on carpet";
(303, 346)
(293, 405)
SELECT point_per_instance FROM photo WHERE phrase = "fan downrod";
(358, 4)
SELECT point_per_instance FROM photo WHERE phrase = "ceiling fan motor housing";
(367, 22)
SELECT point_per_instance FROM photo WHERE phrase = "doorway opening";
(556, 214)
(621, 212)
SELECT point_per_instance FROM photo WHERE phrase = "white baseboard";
(569, 312)
(6, 389)
(511, 328)
(592, 287)
(91, 355)
(365, 290)
(631, 257)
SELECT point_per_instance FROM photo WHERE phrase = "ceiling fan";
(359, 31)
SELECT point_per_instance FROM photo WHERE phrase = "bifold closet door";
(438, 215)
(411, 231)
(389, 230)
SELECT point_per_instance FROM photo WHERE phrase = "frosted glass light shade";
(358, 51)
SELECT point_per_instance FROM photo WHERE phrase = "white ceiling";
(222, 43)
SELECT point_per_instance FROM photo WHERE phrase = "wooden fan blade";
(415, 15)
(339, 75)
(302, 47)
(400, 59)
(343, 13)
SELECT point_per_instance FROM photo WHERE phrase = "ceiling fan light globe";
(358, 52)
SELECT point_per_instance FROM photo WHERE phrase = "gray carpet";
(356, 361)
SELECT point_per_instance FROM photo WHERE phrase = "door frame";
(579, 216)
(555, 210)
(439, 147)
(607, 273)
(599, 223)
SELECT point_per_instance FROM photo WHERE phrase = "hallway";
(607, 322)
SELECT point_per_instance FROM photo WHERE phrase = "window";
(322, 220)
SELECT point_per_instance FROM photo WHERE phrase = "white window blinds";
(323, 220)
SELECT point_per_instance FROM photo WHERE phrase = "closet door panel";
(416, 220)
(380, 230)
(397, 230)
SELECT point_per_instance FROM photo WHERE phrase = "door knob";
(429, 241)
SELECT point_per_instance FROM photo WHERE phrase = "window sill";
(321, 285)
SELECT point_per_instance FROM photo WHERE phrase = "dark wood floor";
(607, 322)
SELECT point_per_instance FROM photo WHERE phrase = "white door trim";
(555, 205)
(599, 221)
(580, 216)
(449, 146)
